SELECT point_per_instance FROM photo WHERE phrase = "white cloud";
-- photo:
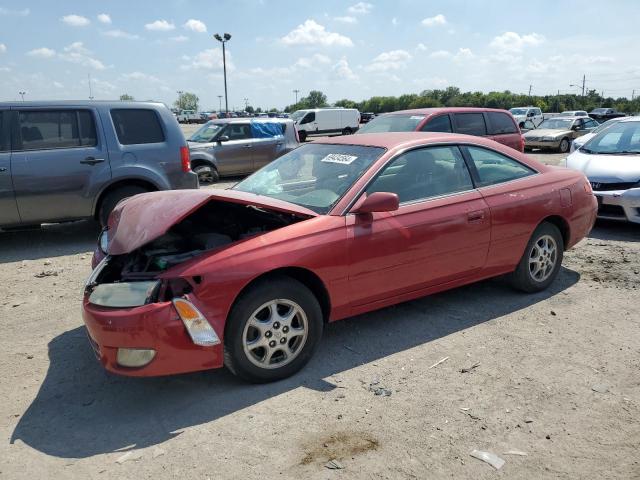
(440, 54)
(179, 38)
(77, 53)
(3, 48)
(58, 85)
(195, 26)
(120, 34)
(104, 18)
(312, 33)
(43, 52)
(463, 54)
(210, 59)
(76, 20)
(394, 21)
(18, 13)
(434, 21)
(512, 42)
(346, 19)
(139, 76)
(421, 47)
(393, 60)
(343, 71)
(160, 26)
(314, 60)
(360, 8)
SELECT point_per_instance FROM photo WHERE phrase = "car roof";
(73, 103)
(430, 111)
(252, 119)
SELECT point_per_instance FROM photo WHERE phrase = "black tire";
(207, 174)
(564, 146)
(276, 288)
(303, 136)
(523, 278)
(112, 198)
(347, 131)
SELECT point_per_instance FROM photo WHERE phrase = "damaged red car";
(248, 277)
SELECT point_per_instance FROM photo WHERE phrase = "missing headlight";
(125, 294)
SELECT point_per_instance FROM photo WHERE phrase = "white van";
(325, 121)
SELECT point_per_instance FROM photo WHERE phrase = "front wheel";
(207, 174)
(303, 136)
(114, 197)
(542, 259)
(272, 331)
(347, 131)
(564, 145)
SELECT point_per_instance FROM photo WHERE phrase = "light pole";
(22, 94)
(296, 91)
(246, 103)
(224, 40)
(219, 103)
(179, 92)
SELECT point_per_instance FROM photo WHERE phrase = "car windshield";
(599, 110)
(207, 132)
(314, 176)
(518, 111)
(297, 115)
(622, 138)
(556, 124)
(392, 123)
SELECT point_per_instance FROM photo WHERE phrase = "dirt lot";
(557, 377)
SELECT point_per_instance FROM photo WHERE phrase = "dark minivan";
(62, 161)
(498, 125)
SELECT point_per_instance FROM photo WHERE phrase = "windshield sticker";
(339, 158)
(416, 117)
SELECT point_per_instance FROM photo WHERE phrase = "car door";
(503, 129)
(8, 206)
(59, 155)
(235, 155)
(440, 233)
(268, 142)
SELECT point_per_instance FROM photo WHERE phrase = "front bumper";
(619, 204)
(542, 143)
(154, 326)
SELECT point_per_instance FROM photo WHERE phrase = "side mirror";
(575, 128)
(377, 202)
(223, 138)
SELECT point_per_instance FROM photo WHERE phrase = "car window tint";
(87, 125)
(424, 173)
(238, 131)
(493, 167)
(501, 123)
(441, 123)
(45, 129)
(3, 141)
(591, 124)
(470, 124)
(137, 126)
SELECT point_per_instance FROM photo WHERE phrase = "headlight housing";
(103, 240)
(549, 139)
(124, 294)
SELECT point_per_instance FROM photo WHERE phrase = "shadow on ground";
(82, 411)
(48, 241)
(612, 230)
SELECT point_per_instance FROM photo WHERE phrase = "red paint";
(364, 261)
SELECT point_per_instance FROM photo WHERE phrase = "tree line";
(453, 97)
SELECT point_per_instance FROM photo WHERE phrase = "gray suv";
(239, 146)
(63, 161)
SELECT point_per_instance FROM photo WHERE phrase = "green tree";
(315, 99)
(126, 97)
(187, 101)
(249, 109)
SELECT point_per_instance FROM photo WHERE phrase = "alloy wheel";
(542, 258)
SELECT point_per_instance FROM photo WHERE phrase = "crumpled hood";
(546, 132)
(141, 219)
(606, 168)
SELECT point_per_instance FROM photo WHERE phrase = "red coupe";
(247, 277)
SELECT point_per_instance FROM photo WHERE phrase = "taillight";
(522, 143)
(185, 159)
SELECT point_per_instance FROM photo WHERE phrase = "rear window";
(441, 123)
(501, 123)
(47, 129)
(392, 123)
(470, 124)
(136, 126)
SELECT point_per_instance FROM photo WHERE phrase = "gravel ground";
(553, 375)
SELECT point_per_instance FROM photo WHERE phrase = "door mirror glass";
(223, 138)
(378, 202)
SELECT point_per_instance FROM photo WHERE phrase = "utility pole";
(246, 103)
(179, 92)
(90, 94)
(219, 103)
(530, 86)
(223, 41)
(296, 91)
(584, 80)
(633, 94)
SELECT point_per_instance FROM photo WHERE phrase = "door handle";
(476, 216)
(91, 161)
(3, 169)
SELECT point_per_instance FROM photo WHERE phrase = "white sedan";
(611, 162)
(580, 141)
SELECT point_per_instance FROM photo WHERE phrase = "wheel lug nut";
(285, 329)
(272, 343)
(268, 334)
(276, 325)
(283, 340)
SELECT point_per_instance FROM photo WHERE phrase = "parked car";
(602, 114)
(325, 121)
(69, 160)
(580, 141)
(188, 116)
(367, 117)
(574, 113)
(248, 277)
(611, 161)
(523, 114)
(239, 146)
(498, 125)
(557, 133)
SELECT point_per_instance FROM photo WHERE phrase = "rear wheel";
(207, 174)
(542, 259)
(112, 198)
(347, 131)
(272, 331)
(302, 135)
(564, 145)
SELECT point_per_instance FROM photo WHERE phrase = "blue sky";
(151, 49)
